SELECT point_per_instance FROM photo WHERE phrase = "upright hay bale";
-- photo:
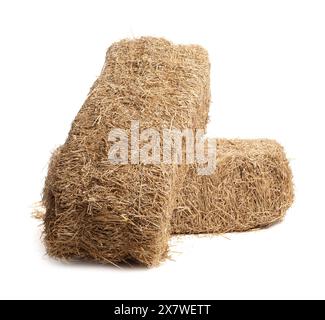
(112, 213)
(251, 188)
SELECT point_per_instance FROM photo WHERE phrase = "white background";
(268, 80)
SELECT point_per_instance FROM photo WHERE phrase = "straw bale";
(251, 188)
(114, 213)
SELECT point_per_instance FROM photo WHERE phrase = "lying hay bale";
(251, 188)
(112, 213)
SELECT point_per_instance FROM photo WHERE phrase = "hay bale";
(251, 188)
(113, 213)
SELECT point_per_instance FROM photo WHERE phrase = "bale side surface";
(251, 188)
(109, 213)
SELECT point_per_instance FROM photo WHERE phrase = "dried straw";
(251, 188)
(113, 213)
